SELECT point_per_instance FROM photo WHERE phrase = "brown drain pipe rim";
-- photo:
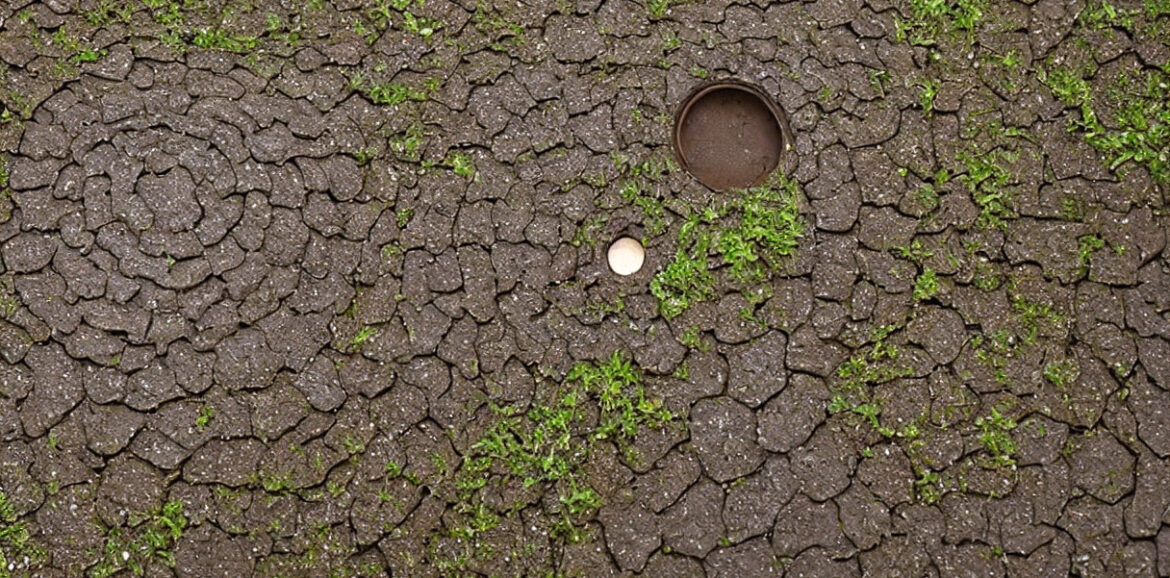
(786, 162)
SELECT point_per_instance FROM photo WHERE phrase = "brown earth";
(320, 290)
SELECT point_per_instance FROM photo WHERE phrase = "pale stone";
(626, 256)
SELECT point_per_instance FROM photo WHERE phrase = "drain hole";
(729, 135)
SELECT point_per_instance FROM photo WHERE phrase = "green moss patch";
(742, 241)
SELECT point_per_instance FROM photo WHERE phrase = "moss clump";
(543, 449)
(149, 539)
(18, 551)
(748, 236)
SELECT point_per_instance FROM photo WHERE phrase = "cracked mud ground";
(320, 290)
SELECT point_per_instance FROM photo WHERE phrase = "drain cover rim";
(696, 94)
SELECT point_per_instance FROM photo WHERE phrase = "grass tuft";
(996, 437)
(926, 285)
(1138, 130)
(132, 549)
(931, 20)
(219, 39)
(18, 551)
(749, 236)
(545, 448)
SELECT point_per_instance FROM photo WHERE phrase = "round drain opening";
(730, 135)
(626, 256)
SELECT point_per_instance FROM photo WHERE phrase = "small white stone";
(626, 256)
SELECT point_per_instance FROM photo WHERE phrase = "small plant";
(1010, 60)
(393, 470)
(931, 19)
(18, 551)
(987, 179)
(879, 80)
(996, 437)
(618, 388)
(928, 90)
(926, 285)
(66, 40)
(391, 94)
(1033, 316)
(1072, 90)
(1156, 9)
(986, 277)
(403, 217)
(686, 279)
(852, 386)
(1099, 15)
(408, 144)
(634, 192)
(1062, 373)
(101, 13)
(359, 28)
(278, 483)
(9, 301)
(1140, 128)
(994, 350)
(382, 12)
(656, 8)
(502, 33)
(928, 486)
(769, 230)
(131, 549)
(439, 462)
(366, 333)
(206, 412)
(1086, 246)
(751, 235)
(670, 42)
(220, 39)
(419, 25)
(364, 155)
(580, 500)
(826, 95)
(692, 337)
(1070, 210)
(462, 164)
(88, 55)
(927, 197)
(915, 252)
(868, 411)
(352, 445)
(544, 447)
(588, 231)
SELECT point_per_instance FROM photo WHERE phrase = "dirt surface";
(319, 288)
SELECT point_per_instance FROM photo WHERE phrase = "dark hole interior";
(728, 138)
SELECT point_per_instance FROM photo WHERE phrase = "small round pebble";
(626, 256)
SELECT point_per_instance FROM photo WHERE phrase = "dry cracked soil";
(319, 289)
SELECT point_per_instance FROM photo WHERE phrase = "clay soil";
(319, 289)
